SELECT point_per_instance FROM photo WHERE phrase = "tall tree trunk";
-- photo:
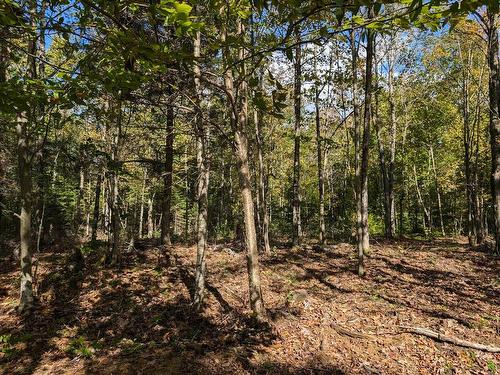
(426, 217)
(26, 179)
(79, 202)
(494, 119)
(383, 167)
(262, 185)
(264, 213)
(95, 220)
(321, 179)
(467, 141)
(296, 217)
(150, 220)
(114, 246)
(363, 230)
(141, 210)
(25, 183)
(392, 152)
(239, 122)
(105, 209)
(186, 197)
(169, 158)
(438, 190)
(356, 123)
(202, 139)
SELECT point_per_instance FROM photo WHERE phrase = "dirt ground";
(323, 318)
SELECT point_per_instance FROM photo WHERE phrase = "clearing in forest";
(323, 318)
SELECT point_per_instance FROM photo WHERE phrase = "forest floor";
(323, 318)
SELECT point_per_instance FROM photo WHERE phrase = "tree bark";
(296, 217)
(494, 120)
(25, 178)
(438, 190)
(150, 217)
(264, 213)
(169, 158)
(356, 123)
(392, 153)
(467, 141)
(25, 183)
(363, 230)
(141, 210)
(79, 202)
(239, 122)
(426, 218)
(321, 179)
(383, 168)
(114, 246)
(95, 220)
(202, 139)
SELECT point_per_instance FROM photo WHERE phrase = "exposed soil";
(323, 318)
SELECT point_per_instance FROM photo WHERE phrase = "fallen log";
(449, 339)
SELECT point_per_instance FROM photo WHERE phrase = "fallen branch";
(452, 340)
(345, 331)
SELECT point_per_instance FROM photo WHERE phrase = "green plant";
(86, 249)
(130, 346)
(7, 345)
(492, 366)
(80, 347)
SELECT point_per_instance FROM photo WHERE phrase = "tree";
(203, 162)
(363, 231)
(297, 96)
(494, 116)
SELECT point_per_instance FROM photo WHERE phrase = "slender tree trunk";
(356, 122)
(494, 120)
(105, 209)
(87, 204)
(426, 217)
(79, 202)
(95, 220)
(264, 214)
(141, 210)
(202, 139)
(186, 199)
(114, 255)
(438, 190)
(25, 178)
(467, 141)
(296, 217)
(392, 153)
(169, 158)
(150, 217)
(363, 230)
(25, 183)
(478, 206)
(239, 122)
(321, 179)
(202, 232)
(383, 169)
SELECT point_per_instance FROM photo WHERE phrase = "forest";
(249, 187)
